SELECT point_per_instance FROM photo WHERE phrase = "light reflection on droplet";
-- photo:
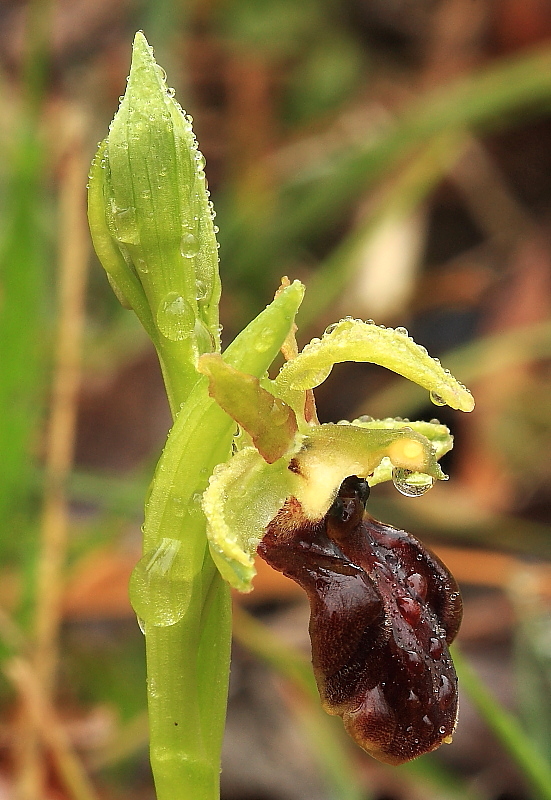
(411, 484)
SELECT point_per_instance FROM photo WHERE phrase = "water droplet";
(414, 661)
(201, 289)
(441, 730)
(411, 484)
(203, 338)
(264, 340)
(331, 328)
(123, 224)
(158, 592)
(409, 609)
(160, 72)
(365, 418)
(436, 648)
(446, 692)
(171, 91)
(413, 699)
(402, 331)
(418, 583)
(309, 378)
(189, 245)
(436, 399)
(141, 624)
(175, 317)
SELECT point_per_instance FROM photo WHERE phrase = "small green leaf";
(354, 340)
(270, 422)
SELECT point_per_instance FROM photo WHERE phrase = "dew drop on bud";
(436, 399)
(201, 289)
(402, 331)
(123, 224)
(175, 317)
(411, 484)
(189, 245)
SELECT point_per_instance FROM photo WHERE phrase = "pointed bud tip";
(141, 46)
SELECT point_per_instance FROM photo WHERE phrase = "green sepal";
(269, 421)
(354, 340)
(261, 340)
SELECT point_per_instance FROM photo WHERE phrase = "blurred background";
(395, 155)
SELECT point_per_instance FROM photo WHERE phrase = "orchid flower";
(383, 607)
(282, 451)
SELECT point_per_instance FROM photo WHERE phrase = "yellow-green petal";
(437, 434)
(242, 497)
(331, 453)
(354, 340)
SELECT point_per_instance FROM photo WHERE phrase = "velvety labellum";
(383, 611)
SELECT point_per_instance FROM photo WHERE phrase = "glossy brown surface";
(383, 611)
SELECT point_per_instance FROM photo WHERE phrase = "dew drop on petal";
(436, 399)
(411, 484)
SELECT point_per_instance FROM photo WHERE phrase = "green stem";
(188, 661)
(507, 729)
